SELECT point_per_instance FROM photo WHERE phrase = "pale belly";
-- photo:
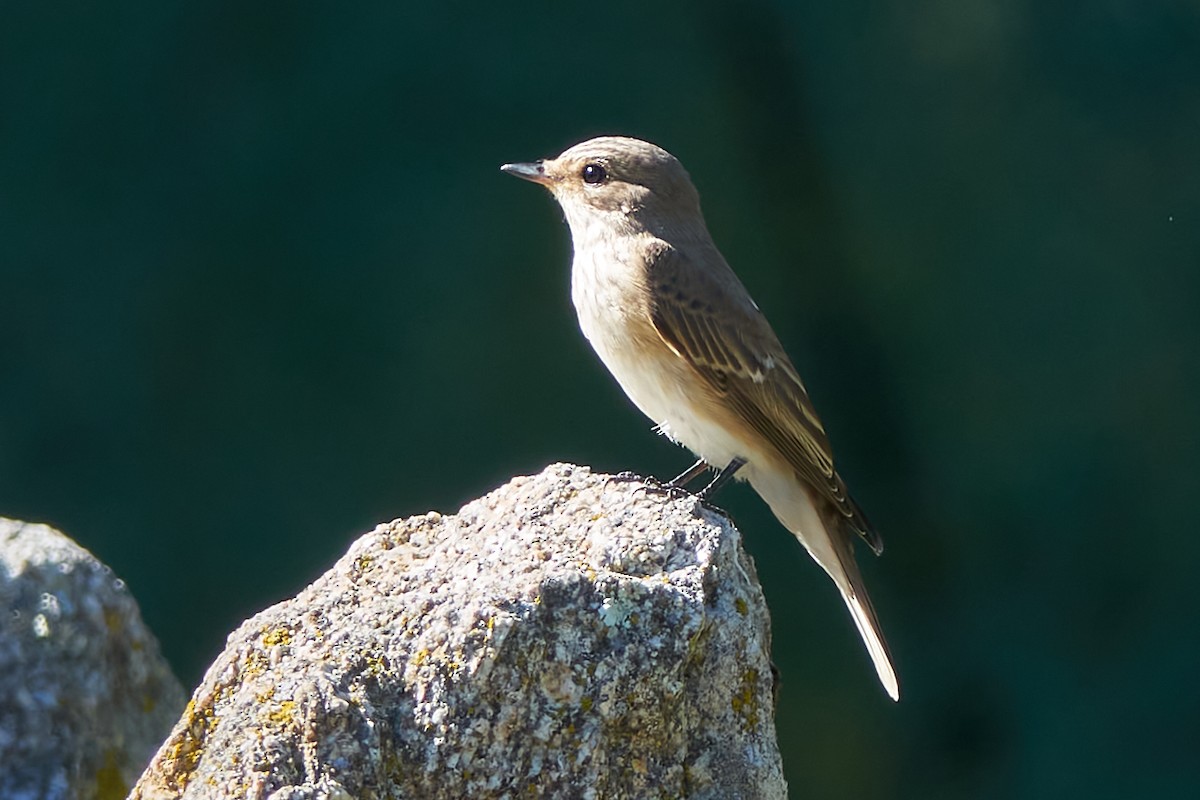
(662, 386)
(660, 383)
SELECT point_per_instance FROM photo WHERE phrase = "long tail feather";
(865, 619)
(832, 547)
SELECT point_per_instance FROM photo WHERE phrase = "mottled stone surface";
(566, 636)
(85, 697)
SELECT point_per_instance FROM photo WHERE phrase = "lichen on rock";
(567, 635)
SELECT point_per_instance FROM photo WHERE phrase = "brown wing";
(708, 318)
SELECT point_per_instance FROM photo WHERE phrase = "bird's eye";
(594, 173)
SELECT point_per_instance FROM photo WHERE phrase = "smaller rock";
(85, 696)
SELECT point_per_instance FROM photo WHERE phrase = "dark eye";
(594, 173)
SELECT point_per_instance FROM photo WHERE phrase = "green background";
(263, 286)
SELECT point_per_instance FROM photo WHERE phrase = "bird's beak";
(535, 171)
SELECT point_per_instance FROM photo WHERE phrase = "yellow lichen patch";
(740, 605)
(284, 714)
(745, 701)
(696, 643)
(363, 563)
(639, 736)
(109, 783)
(376, 665)
(185, 751)
(263, 697)
(255, 664)
(276, 637)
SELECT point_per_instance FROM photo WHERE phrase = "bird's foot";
(652, 485)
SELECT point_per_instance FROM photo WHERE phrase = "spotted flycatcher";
(682, 336)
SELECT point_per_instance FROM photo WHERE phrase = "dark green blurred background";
(263, 286)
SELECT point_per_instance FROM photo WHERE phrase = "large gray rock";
(566, 636)
(85, 697)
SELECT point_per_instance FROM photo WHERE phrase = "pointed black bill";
(529, 171)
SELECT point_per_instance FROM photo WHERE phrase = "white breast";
(659, 382)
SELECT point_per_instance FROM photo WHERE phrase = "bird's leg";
(688, 475)
(673, 488)
(721, 479)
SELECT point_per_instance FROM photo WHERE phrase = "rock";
(567, 636)
(85, 697)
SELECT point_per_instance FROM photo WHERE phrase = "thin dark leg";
(688, 475)
(721, 479)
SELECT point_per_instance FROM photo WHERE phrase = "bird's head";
(616, 181)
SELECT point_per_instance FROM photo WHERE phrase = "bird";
(689, 346)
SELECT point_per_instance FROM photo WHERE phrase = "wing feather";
(708, 318)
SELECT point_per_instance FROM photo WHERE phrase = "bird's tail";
(833, 548)
(854, 592)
